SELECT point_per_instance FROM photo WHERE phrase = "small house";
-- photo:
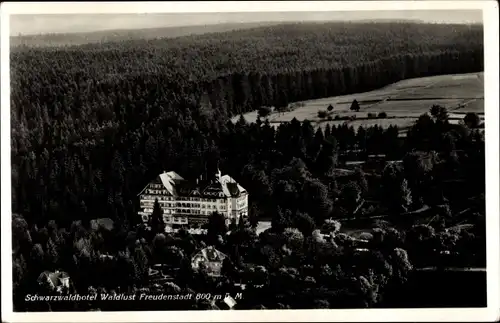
(56, 280)
(210, 259)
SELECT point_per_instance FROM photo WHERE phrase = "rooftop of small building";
(55, 276)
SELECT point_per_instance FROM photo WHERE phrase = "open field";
(403, 102)
(476, 106)
(412, 107)
(466, 86)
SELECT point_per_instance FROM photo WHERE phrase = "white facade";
(193, 205)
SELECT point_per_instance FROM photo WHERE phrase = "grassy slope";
(405, 100)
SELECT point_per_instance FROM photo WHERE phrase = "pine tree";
(355, 105)
(327, 159)
(253, 216)
(472, 120)
(37, 257)
(439, 113)
(156, 222)
(360, 179)
(405, 196)
(316, 201)
(52, 254)
(18, 271)
(351, 195)
(304, 223)
(280, 221)
(216, 225)
(328, 130)
(241, 121)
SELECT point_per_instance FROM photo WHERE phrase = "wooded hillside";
(92, 124)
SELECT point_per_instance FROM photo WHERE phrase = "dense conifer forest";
(93, 124)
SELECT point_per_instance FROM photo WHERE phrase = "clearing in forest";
(403, 102)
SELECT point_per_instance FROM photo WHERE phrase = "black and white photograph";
(250, 161)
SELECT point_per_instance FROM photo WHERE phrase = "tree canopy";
(92, 125)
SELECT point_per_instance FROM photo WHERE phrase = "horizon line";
(283, 22)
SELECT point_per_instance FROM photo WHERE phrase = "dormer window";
(65, 281)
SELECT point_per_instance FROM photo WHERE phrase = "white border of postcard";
(490, 21)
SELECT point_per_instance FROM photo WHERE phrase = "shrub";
(439, 113)
(366, 236)
(337, 117)
(472, 120)
(322, 114)
(382, 115)
(331, 225)
(264, 112)
(371, 115)
(382, 224)
(330, 118)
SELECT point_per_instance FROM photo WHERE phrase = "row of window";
(157, 197)
(149, 209)
(195, 212)
(176, 220)
(151, 191)
(165, 211)
(192, 211)
(195, 199)
(148, 203)
(184, 220)
(192, 205)
(203, 206)
(167, 219)
(149, 206)
(188, 211)
(160, 189)
(148, 212)
(171, 198)
(199, 199)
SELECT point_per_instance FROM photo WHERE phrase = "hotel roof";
(219, 186)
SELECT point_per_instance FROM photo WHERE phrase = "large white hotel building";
(190, 203)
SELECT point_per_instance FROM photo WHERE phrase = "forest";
(92, 124)
(79, 38)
